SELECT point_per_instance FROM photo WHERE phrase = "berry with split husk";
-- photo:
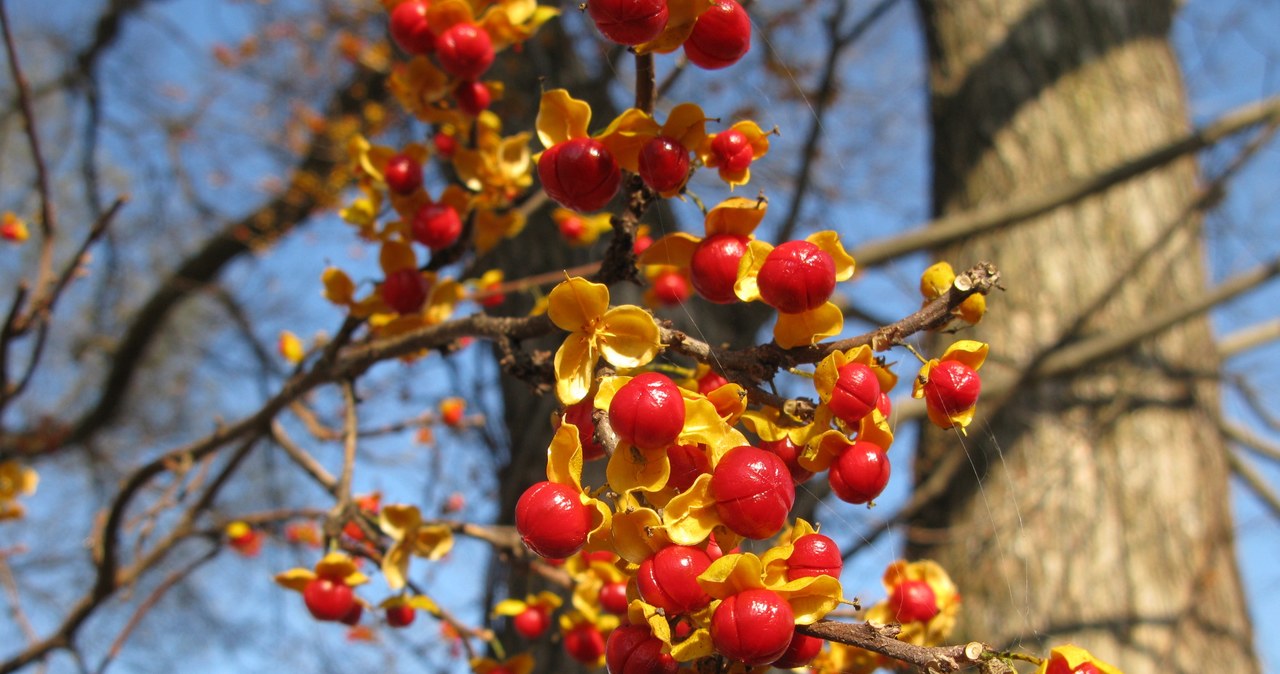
(579, 174)
(552, 520)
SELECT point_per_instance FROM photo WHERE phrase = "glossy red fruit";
(790, 454)
(687, 463)
(952, 386)
(714, 551)
(814, 555)
(671, 288)
(404, 290)
(641, 244)
(860, 473)
(473, 98)
(710, 382)
(436, 226)
(613, 597)
(664, 164)
(732, 150)
(753, 492)
(647, 411)
(753, 626)
(572, 228)
(797, 276)
(552, 521)
(632, 649)
(714, 267)
(720, 37)
(884, 405)
(669, 579)
(465, 51)
(584, 643)
(579, 174)
(856, 393)
(352, 618)
(532, 622)
(328, 599)
(800, 652)
(445, 144)
(1058, 665)
(579, 414)
(401, 615)
(629, 22)
(913, 601)
(403, 174)
(409, 27)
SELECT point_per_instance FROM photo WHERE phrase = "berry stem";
(644, 83)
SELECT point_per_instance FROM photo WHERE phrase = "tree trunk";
(1097, 509)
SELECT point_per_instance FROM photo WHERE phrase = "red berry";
(352, 617)
(856, 393)
(473, 97)
(552, 520)
(572, 228)
(445, 144)
(860, 473)
(647, 411)
(579, 414)
(401, 615)
(671, 288)
(436, 226)
(532, 622)
(884, 405)
(629, 22)
(714, 551)
(664, 164)
(787, 450)
(710, 382)
(714, 267)
(669, 579)
(800, 652)
(613, 598)
(732, 150)
(753, 492)
(641, 244)
(584, 643)
(465, 51)
(580, 174)
(328, 599)
(404, 290)
(952, 387)
(797, 276)
(720, 37)
(403, 174)
(687, 463)
(753, 626)
(814, 555)
(913, 601)
(409, 27)
(632, 649)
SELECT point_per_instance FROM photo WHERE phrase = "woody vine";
(701, 453)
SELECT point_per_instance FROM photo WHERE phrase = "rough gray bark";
(1097, 510)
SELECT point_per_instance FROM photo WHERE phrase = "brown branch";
(955, 227)
(821, 102)
(1247, 439)
(267, 223)
(48, 224)
(1255, 482)
(1249, 338)
(882, 640)
(150, 602)
(644, 83)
